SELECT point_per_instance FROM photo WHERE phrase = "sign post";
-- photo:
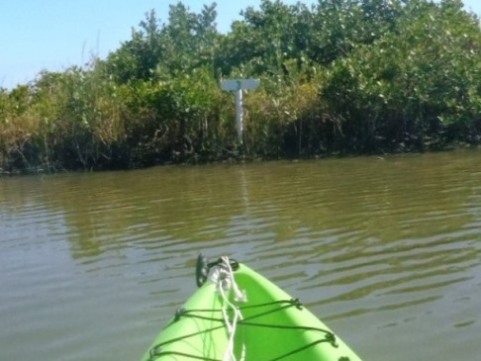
(237, 86)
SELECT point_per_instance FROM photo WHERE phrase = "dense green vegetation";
(343, 76)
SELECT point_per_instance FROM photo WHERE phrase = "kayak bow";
(237, 314)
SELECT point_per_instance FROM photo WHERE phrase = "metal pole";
(239, 107)
(237, 86)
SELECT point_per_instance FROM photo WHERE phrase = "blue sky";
(57, 34)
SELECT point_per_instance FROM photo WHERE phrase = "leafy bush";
(349, 76)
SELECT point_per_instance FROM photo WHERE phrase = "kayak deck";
(273, 326)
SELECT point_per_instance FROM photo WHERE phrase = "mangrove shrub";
(340, 76)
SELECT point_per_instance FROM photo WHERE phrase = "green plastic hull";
(274, 327)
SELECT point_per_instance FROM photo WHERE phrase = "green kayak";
(237, 314)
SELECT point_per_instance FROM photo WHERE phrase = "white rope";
(223, 276)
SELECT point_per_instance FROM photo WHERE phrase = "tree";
(160, 51)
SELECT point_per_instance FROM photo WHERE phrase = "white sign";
(239, 84)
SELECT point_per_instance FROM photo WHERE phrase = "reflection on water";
(385, 250)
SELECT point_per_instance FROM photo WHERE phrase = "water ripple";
(391, 243)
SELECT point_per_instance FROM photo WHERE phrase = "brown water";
(386, 251)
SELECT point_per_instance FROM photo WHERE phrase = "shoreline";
(244, 159)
